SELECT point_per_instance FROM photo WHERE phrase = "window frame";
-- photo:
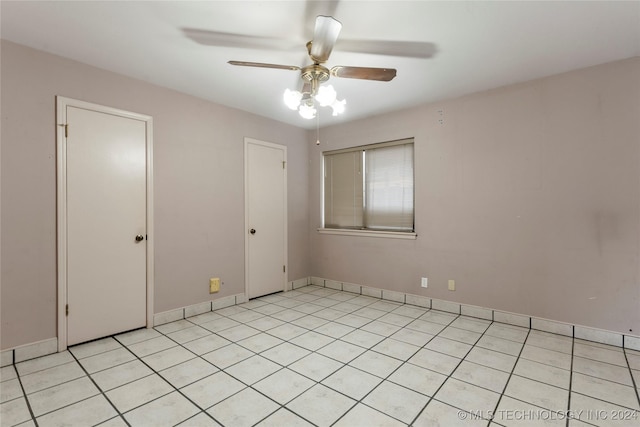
(365, 232)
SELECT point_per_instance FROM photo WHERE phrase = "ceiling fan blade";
(366, 73)
(405, 49)
(218, 38)
(264, 65)
(324, 38)
(314, 8)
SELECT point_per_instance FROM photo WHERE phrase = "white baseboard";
(546, 325)
(50, 346)
(6, 358)
(199, 308)
(299, 283)
(29, 351)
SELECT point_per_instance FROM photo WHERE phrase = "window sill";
(369, 233)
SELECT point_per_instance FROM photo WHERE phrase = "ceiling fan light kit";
(325, 96)
(325, 35)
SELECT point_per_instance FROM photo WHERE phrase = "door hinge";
(283, 163)
(66, 130)
(284, 269)
(67, 309)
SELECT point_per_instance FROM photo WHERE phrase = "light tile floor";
(315, 356)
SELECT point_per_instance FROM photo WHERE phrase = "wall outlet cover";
(425, 282)
(214, 285)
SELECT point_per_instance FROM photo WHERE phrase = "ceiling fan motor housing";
(315, 72)
(315, 75)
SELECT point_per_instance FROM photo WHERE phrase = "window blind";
(343, 188)
(370, 187)
(389, 188)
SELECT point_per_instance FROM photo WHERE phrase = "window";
(370, 187)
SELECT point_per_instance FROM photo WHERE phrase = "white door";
(106, 257)
(266, 221)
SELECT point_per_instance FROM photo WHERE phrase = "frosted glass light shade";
(292, 98)
(307, 111)
(338, 106)
(326, 95)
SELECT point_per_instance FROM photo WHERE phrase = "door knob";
(139, 238)
(252, 231)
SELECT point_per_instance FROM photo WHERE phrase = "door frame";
(248, 141)
(61, 198)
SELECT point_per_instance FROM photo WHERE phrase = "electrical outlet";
(452, 285)
(214, 285)
(424, 283)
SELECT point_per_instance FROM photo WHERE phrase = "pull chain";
(318, 128)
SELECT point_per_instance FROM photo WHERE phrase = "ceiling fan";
(325, 35)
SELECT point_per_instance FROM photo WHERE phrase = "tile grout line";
(493, 311)
(99, 389)
(473, 317)
(598, 361)
(561, 352)
(341, 314)
(43, 369)
(371, 320)
(573, 344)
(348, 363)
(74, 379)
(84, 399)
(70, 381)
(104, 352)
(633, 381)
(282, 367)
(179, 344)
(604, 379)
(446, 326)
(432, 398)
(360, 401)
(280, 406)
(319, 348)
(283, 406)
(224, 369)
(447, 376)
(26, 398)
(165, 380)
(77, 362)
(524, 343)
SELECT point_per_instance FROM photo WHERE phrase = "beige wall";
(528, 196)
(199, 190)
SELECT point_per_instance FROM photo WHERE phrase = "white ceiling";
(480, 45)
